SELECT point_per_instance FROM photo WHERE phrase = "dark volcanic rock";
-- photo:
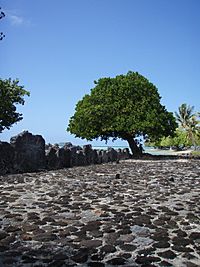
(195, 235)
(162, 244)
(90, 155)
(81, 256)
(168, 254)
(146, 260)
(3, 234)
(128, 247)
(117, 261)
(6, 158)
(91, 243)
(96, 264)
(84, 216)
(45, 237)
(108, 249)
(64, 157)
(29, 152)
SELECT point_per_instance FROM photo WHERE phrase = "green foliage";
(196, 153)
(179, 140)
(189, 122)
(184, 115)
(123, 107)
(11, 93)
(188, 133)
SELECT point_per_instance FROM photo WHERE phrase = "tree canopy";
(188, 132)
(11, 93)
(184, 115)
(125, 107)
(189, 122)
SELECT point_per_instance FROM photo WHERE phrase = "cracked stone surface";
(136, 213)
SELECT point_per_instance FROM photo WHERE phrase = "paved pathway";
(135, 213)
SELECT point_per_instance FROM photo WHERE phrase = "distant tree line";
(188, 132)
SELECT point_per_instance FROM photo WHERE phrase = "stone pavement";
(135, 213)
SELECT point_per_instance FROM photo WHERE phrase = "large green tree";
(125, 107)
(11, 94)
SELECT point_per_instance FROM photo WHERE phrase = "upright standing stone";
(29, 152)
(64, 157)
(74, 155)
(88, 152)
(52, 158)
(112, 154)
(6, 158)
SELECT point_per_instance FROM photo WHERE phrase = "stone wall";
(27, 153)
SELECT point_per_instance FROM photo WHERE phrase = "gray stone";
(96, 264)
(29, 152)
(52, 158)
(112, 154)
(80, 159)
(123, 153)
(64, 157)
(108, 249)
(105, 156)
(81, 256)
(89, 155)
(168, 254)
(74, 155)
(91, 243)
(99, 156)
(3, 234)
(6, 158)
(195, 235)
(45, 237)
(116, 261)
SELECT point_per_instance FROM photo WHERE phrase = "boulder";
(112, 154)
(67, 145)
(52, 160)
(126, 153)
(64, 157)
(29, 152)
(74, 155)
(90, 155)
(95, 157)
(105, 156)
(99, 156)
(6, 158)
(123, 153)
(80, 159)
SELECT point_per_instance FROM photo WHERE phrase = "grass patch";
(195, 153)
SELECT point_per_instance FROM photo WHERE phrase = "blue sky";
(57, 48)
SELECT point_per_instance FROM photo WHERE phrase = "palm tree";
(188, 120)
(185, 115)
(193, 130)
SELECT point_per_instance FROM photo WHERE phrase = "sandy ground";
(171, 152)
(135, 213)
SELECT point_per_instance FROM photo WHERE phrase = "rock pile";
(27, 153)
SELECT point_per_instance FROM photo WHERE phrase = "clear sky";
(57, 48)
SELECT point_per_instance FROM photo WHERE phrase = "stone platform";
(135, 213)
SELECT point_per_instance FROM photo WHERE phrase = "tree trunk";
(136, 151)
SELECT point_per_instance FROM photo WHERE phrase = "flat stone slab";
(135, 213)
